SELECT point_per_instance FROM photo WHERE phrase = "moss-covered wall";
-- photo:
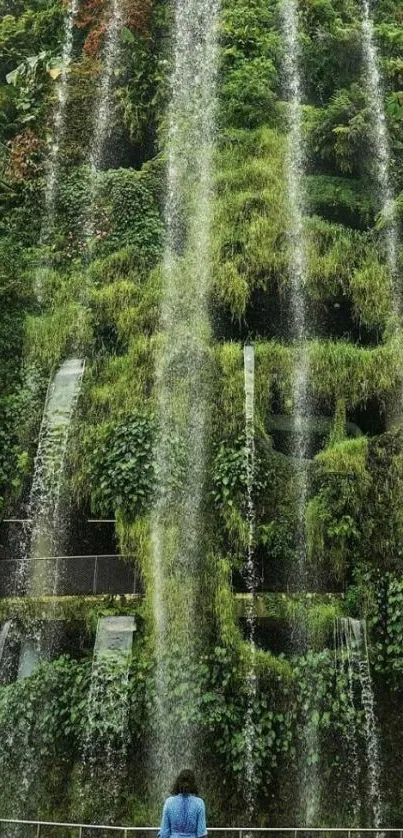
(60, 297)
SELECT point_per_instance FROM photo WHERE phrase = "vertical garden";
(179, 180)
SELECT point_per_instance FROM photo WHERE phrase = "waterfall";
(106, 736)
(42, 533)
(250, 575)
(3, 636)
(102, 107)
(52, 164)
(31, 655)
(380, 139)
(372, 743)
(4, 632)
(36, 573)
(343, 661)
(103, 101)
(352, 637)
(59, 122)
(181, 377)
(310, 778)
(9, 636)
(297, 267)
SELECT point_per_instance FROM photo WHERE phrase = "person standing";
(184, 812)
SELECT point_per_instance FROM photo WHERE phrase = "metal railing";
(70, 575)
(82, 829)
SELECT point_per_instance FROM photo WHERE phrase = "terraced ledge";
(269, 606)
(286, 606)
(77, 609)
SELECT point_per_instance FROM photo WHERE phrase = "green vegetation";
(61, 295)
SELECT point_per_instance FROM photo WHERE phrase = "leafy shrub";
(339, 133)
(128, 202)
(120, 468)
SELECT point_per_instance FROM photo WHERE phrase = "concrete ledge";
(66, 608)
(282, 606)
(268, 606)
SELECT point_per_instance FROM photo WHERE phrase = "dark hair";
(185, 783)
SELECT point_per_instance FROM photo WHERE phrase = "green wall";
(354, 517)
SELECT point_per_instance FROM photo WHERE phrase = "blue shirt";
(183, 815)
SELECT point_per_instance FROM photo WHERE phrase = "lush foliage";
(120, 470)
(66, 293)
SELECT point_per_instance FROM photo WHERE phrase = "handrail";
(90, 574)
(83, 556)
(29, 521)
(239, 829)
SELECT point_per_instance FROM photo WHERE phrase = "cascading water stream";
(102, 107)
(372, 743)
(43, 531)
(295, 160)
(59, 123)
(381, 149)
(343, 657)
(297, 266)
(250, 577)
(4, 632)
(182, 379)
(44, 528)
(104, 749)
(103, 100)
(52, 164)
(352, 637)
